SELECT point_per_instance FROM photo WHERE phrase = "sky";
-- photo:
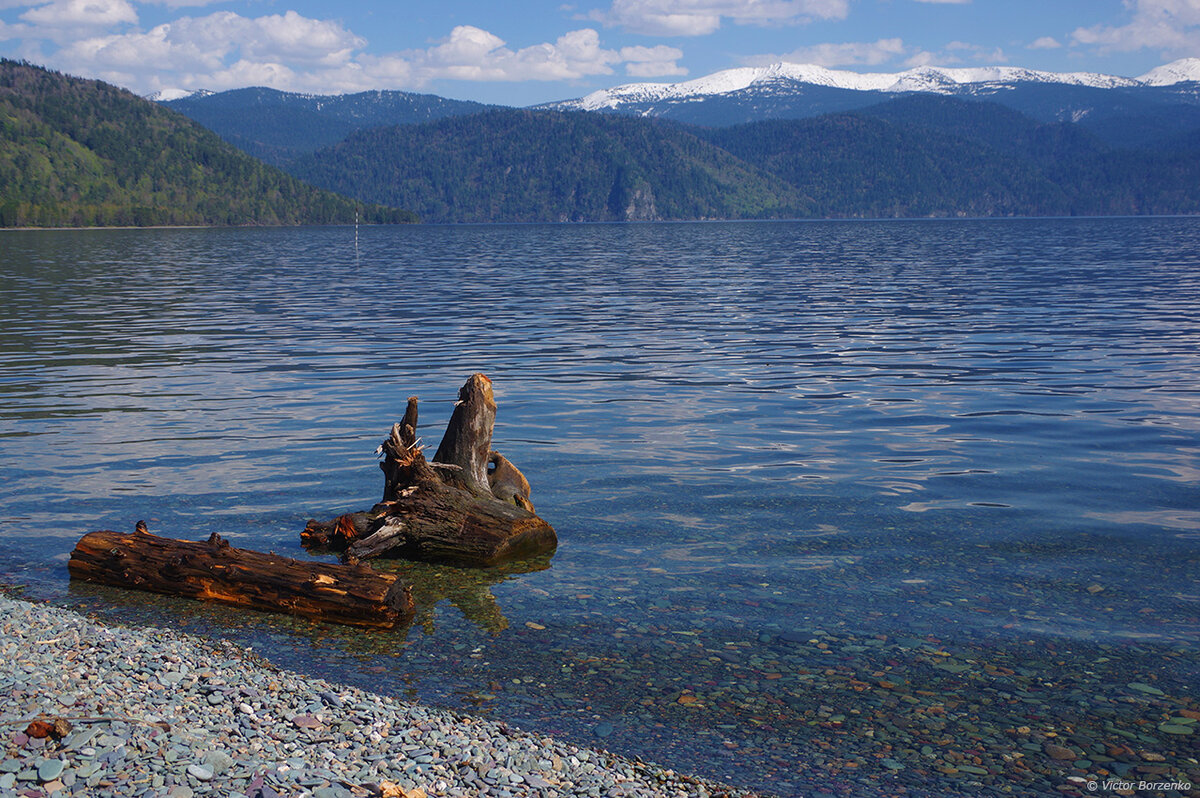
(523, 52)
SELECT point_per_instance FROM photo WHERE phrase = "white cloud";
(958, 52)
(884, 51)
(156, 49)
(253, 73)
(181, 3)
(1170, 27)
(294, 37)
(652, 62)
(8, 32)
(848, 53)
(1045, 43)
(922, 58)
(288, 51)
(701, 17)
(81, 14)
(471, 53)
(230, 47)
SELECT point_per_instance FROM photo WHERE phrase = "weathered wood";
(507, 483)
(408, 426)
(468, 437)
(453, 510)
(213, 570)
(440, 523)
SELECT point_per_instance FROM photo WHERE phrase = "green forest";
(524, 166)
(82, 153)
(914, 156)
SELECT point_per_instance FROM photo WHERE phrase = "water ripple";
(1012, 380)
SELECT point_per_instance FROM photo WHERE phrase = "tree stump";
(470, 506)
(215, 571)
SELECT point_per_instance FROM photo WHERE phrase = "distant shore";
(159, 714)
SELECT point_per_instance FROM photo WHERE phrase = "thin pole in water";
(356, 232)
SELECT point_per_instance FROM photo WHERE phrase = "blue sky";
(528, 51)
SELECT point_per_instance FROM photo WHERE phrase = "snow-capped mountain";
(1185, 70)
(1122, 111)
(167, 95)
(940, 80)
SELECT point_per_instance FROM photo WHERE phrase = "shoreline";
(161, 714)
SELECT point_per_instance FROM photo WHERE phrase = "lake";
(844, 508)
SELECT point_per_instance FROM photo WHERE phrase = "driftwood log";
(213, 570)
(469, 506)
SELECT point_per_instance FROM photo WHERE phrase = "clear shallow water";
(911, 443)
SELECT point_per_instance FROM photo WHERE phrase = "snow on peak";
(943, 78)
(1183, 70)
(921, 79)
(166, 95)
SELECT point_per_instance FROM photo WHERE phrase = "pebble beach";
(156, 714)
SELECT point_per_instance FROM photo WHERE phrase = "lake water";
(861, 508)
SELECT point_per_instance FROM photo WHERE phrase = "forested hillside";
(77, 152)
(914, 156)
(925, 155)
(519, 166)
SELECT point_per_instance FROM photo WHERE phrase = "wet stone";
(1059, 752)
(1171, 728)
(1145, 688)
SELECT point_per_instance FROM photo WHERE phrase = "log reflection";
(468, 590)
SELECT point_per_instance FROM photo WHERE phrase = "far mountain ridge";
(1156, 107)
(1151, 110)
(939, 80)
(277, 126)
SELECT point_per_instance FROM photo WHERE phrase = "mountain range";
(771, 142)
(914, 155)
(1142, 111)
(930, 79)
(1146, 111)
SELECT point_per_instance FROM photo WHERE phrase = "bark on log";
(453, 510)
(215, 571)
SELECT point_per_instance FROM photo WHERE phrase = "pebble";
(306, 737)
(1059, 752)
(50, 769)
(200, 772)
